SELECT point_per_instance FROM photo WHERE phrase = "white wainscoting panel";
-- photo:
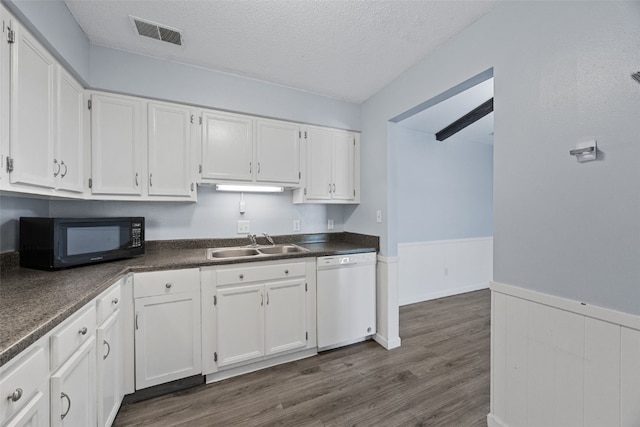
(557, 362)
(387, 312)
(430, 270)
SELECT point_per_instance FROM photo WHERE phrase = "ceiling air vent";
(156, 31)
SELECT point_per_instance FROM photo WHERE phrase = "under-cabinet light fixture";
(249, 188)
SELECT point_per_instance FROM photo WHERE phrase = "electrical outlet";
(244, 227)
(330, 224)
(296, 225)
(378, 216)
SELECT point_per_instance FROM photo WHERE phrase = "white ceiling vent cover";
(156, 31)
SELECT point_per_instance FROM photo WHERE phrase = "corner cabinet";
(332, 167)
(167, 326)
(243, 149)
(256, 312)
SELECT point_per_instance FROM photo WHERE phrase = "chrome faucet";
(252, 239)
(269, 239)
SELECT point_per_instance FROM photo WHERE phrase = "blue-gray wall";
(445, 189)
(562, 73)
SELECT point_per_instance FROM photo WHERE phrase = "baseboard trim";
(577, 307)
(444, 293)
(493, 421)
(388, 344)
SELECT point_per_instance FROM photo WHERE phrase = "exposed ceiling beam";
(464, 121)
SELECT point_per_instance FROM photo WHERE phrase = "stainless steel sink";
(216, 253)
(252, 252)
(282, 249)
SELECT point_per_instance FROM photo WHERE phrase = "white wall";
(562, 73)
(11, 209)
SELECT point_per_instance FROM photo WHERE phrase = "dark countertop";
(33, 302)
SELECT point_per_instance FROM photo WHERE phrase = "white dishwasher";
(346, 298)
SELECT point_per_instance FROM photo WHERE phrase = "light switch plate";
(244, 227)
(296, 225)
(330, 224)
(378, 216)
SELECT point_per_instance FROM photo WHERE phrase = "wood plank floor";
(438, 377)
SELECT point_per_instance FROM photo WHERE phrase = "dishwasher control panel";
(344, 260)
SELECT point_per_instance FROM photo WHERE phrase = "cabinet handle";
(137, 322)
(65, 396)
(136, 179)
(108, 349)
(16, 395)
(334, 189)
(114, 301)
(150, 180)
(258, 168)
(83, 331)
(250, 169)
(55, 162)
(267, 298)
(261, 299)
(65, 169)
(329, 188)
(168, 285)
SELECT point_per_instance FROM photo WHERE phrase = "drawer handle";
(83, 331)
(108, 349)
(16, 395)
(65, 396)
(242, 276)
(114, 301)
(286, 272)
(168, 286)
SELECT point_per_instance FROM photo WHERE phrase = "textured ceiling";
(345, 49)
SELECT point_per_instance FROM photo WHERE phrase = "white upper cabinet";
(238, 148)
(227, 147)
(32, 131)
(277, 152)
(116, 145)
(332, 172)
(68, 160)
(169, 129)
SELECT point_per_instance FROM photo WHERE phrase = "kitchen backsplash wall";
(214, 215)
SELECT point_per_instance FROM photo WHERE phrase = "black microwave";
(54, 243)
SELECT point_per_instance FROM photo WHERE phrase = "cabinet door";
(167, 338)
(34, 413)
(227, 147)
(169, 128)
(68, 161)
(285, 316)
(116, 142)
(32, 133)
(343, 166)
(278, 152)
(109, 362)
(240, 324)
(73, 389)
(319, 164)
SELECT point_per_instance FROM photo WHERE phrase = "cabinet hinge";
(200, 119)
(215, 300)
(215, 356)
(90, 183)
(305, 191)
(199, 168)
(305, 134)
(354, 192)
(192, 119)
(89, 104)
(299, 175)
(192, 186)
(299, 134)
(354, 141)
(306, 335)
(9, 164)
(11, 36)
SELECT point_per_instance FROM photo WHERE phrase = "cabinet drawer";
(109, 302)
(72, 335)
(166, 282)
(22, 381)
(248, 274)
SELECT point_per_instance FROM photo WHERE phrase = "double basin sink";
(214, 254)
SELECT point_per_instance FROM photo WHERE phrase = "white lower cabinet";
(73, 392)
(109, 364)
(256, 311)
(167, 326)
